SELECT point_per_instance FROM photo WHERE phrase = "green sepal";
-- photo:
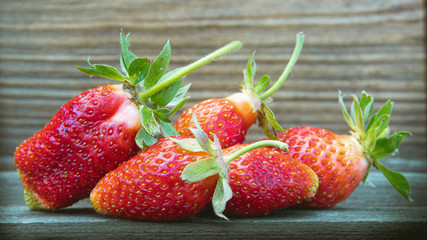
(178, 106)
(221, 196)
(162, 114)
(262, 84)
(396, 179)
(197, 171)
(179, 96)
(158, 67)
(167, 129)
(189, 144)
(138, 69)
(103, 71)
(126, 55)
(166, 95)
(203, 140)
(266, 120)
(249, 72)
(144, 140)
(388, 145)
(149, 123)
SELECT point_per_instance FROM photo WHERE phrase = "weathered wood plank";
(377, 46)
(378, 213)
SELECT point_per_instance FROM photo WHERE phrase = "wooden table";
(370, 213)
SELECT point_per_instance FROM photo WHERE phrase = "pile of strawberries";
(117, 144)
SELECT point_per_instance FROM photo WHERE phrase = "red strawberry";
(100, 128)
(149, 186)
(90, 135)
(264, 180)
(342, 161)
(253, 179)
(230, 118)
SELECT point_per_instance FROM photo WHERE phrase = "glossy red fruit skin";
(89, 136)
(149, 187)
(337, 160)
(265, 180)
(229, 118)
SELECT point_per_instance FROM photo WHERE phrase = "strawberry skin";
(149, 187)
(264, 180)
(228, 118)
(337, 160)
(89, 136)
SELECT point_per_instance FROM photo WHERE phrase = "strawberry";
(100, 128)
(149, 186)
(342, 161)
(231, 117)
(253, 179)
(264, 180)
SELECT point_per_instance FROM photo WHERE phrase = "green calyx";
(157, 93)
(373, 133)
(217, 164)
(260, 93)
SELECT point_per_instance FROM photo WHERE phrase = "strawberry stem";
(263, 143)
(189, 68)
(287, 70)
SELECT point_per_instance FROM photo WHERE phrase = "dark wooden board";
(350, 45)
(369, 213)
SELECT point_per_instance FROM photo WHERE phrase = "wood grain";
(376, 46)
(369, 213)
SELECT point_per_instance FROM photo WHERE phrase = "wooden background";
(377, 46)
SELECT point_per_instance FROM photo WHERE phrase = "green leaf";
(271, 118)
(249, 72)
(178, 106)
(158, 67)
(143, 139)
(396, 179)
(178, 101)
(357, 116)
(262, 84)
(166, 95)
(149, 122)
(387, 146)
(202, 137)
(366, 104)
(189, 144)
(103, 71)
(199, 170)
(138, 69)
(162, 114)
(383, 115)
(347, 116)
(222, 194)
(372, 132)
(167, 129)
(126, 55)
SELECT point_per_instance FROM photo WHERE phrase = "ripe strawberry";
(102, 127)
(90, 135)
(264, 180)
(342, 161)
(230, 118)
(149, 187)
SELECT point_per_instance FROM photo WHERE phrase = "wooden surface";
(377, 46)
(350, 45)
(369, 213)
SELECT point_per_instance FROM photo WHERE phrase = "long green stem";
(191, 67)
(263, 143)
(288, 69)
